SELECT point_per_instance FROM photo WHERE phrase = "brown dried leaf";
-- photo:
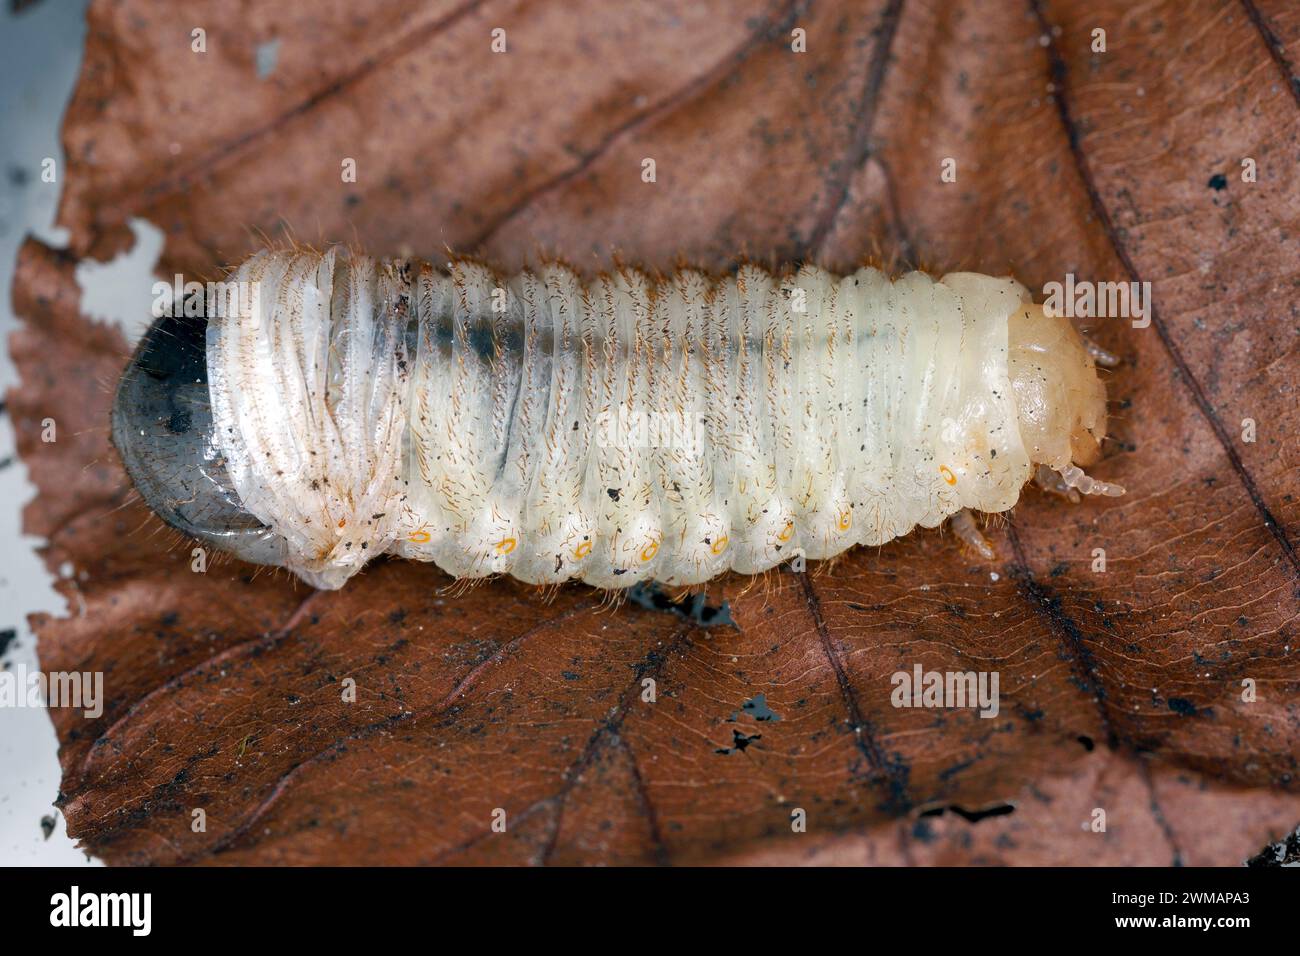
(1119, 690)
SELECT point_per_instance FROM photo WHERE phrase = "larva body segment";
(622, 430)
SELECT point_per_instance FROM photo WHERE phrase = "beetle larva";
(618, 431)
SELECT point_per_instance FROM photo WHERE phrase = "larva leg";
(964, 527)
(1074, 477)
(1050, 480)
(1099, 354)
(1072, 480)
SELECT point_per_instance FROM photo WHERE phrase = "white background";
(40, 55)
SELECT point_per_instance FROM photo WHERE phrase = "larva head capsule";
(1060, 400)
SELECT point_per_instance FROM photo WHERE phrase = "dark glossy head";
(162, 428)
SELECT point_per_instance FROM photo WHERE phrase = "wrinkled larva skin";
(617, 431)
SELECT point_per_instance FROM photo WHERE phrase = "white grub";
(628, 428)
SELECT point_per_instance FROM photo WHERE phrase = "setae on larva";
(618, 431)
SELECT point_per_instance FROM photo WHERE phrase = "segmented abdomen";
(616, 431)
